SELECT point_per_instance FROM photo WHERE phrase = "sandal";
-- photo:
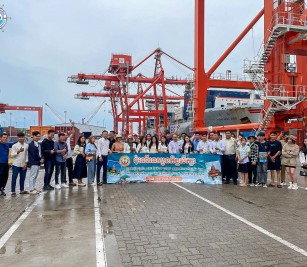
(24, 192)
(271, 185)
(100, 183)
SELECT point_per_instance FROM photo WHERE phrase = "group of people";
(250, 157)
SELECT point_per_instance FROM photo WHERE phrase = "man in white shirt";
(217, 146)
(130, 146)
(203, 145)
(103, 150)
(20, 154)
(174, 145)
(229, 167)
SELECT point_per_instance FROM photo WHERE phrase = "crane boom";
(95, 112)
(57, 114)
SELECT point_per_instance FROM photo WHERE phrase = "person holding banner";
(187, 146)
(142, 147)
(174, 145)
(162, 148)
(153, 146)
(118, 146)
(203, 146)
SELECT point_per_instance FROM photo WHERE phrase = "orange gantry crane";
(278, 72)
(39, 110)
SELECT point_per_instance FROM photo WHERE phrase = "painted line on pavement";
(256, 227)
(101, 258)
(20, 220)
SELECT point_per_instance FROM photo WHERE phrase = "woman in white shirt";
(142, 146)
(242, 157)
(162, 148)
(153, 147)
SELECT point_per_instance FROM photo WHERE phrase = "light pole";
(24, 124)
(65, 112)
(10, 123)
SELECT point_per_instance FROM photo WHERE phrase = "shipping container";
(87, 134)
(67, 129)
(42, 129)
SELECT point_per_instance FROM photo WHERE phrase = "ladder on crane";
(280, 99)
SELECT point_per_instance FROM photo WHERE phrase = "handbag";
(303, 172)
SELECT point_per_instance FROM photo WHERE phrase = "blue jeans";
(49, 167)
(22, 173)
(91, 170)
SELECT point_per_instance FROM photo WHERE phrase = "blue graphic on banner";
(192, 168)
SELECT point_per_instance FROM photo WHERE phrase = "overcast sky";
(47, 40)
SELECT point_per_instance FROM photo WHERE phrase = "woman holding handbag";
(290, 152)
(90, 152)
(303, 160)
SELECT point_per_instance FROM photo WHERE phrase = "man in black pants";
(253, 159)
(103, 150)
(4, 160)
(229, 164)
(47, 147)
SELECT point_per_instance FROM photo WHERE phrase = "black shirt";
(112, 141)
(274, 147)
(263, 147)
(46, 147)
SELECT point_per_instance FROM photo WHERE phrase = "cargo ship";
(223, 107)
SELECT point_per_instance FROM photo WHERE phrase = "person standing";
(242, 156)
(203, 145)
(253, 159)
(20, 154)
(229, 159)
(262, 165)
(90, 152)
(196, 139)
(35, 158)
(4, 163)
(154, 145)
(274, 165)
(187, 146)
(303, 160)
(47, 147)
(69, 160)
(290, 152)
(162, 148)
(130, 146)
(118, 146)
(174, 145)
(142, 148)
(103, 151)
(282, 138)
(80, 170)
(60, 149)
(148, 140)
(111, 139)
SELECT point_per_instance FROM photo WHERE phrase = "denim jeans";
(91, 170)
(104, 165)
(262, 169)
(33, 176)
(49, 167)
(60, 167)
(22, 176)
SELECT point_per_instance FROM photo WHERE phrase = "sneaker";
(252, 185)
(33, 192)
(264, 186)
(258, 184)
(72, 184)
(93, 184)
(295, 187)
(51, 187)
(46, 188)
(57, 186)
(306, 188)
(13, 194)
(290, 186)
(279, 186)
(81, 184)
(2, 193)
(64, 185)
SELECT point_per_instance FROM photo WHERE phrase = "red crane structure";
(4, 107)
(132, 106)
(278, 72)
